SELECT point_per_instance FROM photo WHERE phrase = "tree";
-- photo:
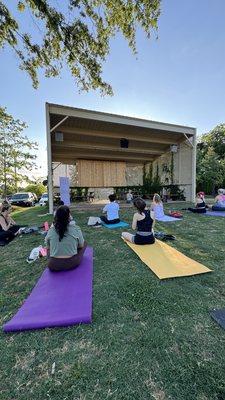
(15, 152)
(37, 188)
(216, 140)
(210, 171)
(211, 160)
(78, 33)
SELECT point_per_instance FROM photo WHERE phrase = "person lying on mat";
(112, 211)
(8, 227)
(200, 206)
(65, 242)
(219, 201)
(143, 223)
(157, 206)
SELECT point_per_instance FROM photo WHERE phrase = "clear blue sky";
(179, 78)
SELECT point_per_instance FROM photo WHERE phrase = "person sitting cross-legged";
(143, 223)
(219, 202)
(200, 206)
(65, 242)
(112, 211)
(8, 227)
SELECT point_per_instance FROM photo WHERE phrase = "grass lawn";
(149, 339)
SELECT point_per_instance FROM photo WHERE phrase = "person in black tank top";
(200, 207)
(143, 223)
(8, 228)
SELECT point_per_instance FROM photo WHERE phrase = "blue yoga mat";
(219, 317)
(167, 218)
(215, 213)
(120, 224)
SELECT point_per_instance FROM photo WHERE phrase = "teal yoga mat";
(121, 224)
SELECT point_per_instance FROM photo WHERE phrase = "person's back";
(157, 206)
(158, 210)
(112, 211)
(68, 245)
(143, 222)
(65, 242)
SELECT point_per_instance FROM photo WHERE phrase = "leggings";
(7, 236)
(197, 210)
(65, 264)
(111, 221)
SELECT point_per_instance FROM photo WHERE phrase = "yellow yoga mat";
(167, 262)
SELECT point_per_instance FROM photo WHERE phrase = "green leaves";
(79, 35)
(211, 159)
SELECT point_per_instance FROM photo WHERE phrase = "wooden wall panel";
(93, 173)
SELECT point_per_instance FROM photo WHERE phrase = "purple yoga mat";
(58, 299)
(215, 213)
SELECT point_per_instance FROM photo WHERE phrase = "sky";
(177, 78)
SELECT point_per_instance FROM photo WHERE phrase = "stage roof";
(76, 133)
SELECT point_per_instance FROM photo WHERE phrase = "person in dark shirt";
(8, 227)
(143, 223)
(200, 206)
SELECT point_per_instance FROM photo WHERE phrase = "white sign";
(64, 190)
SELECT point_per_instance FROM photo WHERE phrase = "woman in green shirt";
(65, 242)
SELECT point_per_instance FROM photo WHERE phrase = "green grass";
(149, 339)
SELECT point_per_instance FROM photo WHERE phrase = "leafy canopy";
(211, 159)
(77, 32)
(37, 188)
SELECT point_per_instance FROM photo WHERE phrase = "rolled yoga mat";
(219, 317)
(58, 299)
(167, 262)
(120, 224)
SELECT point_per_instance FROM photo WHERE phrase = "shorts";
(139, 239)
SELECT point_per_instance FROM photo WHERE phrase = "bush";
(122, 191)
(175, 192)
(37, 188)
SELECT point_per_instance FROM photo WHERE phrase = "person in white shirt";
(112, 211)
(129, 197)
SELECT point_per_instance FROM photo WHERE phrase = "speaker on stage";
(124, 143)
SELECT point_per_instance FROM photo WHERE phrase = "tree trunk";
(15, 176)
(4, 169)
